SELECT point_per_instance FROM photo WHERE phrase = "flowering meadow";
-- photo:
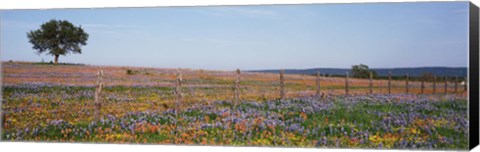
(39, 108)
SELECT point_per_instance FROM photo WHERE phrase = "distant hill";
(439, 71)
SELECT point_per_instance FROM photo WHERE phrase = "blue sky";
(381, 35)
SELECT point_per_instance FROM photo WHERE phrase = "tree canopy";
(362, 71)
(58, 37)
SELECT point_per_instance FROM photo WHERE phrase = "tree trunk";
(56, 59)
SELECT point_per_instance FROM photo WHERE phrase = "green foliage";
(362, 71)
(58, 37)
(133, 72)
(130, 72)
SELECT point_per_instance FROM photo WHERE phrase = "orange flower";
(303, 115)
(153, 128)
(184, 135)
(225, 114)
(100, 131)
(271, 127)
(353, 140)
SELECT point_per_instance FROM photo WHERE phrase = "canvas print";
(369, 75)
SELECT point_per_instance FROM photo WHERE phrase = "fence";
(409, 87)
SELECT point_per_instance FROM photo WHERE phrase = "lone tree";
(58, 37)
(362, 71)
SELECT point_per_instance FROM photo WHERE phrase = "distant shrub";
(142, 72)
(130, 72)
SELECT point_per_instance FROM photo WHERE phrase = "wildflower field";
(55, 104)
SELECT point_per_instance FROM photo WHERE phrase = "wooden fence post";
(422, 86)
(465, 86)
(178, 87)
(237, 88)
(370, 82)
(446, 85)
(434, 84)
(178, 99)
(456, 83)
(282, 85)
(346, 83)
(98, 91)
(406, 84)
(389, 82)
(317, 80)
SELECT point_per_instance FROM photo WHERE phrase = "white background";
(83, 147)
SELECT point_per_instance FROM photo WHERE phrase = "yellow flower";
(374, 138)
(414, 131)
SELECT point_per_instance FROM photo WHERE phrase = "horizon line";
(266, 69)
